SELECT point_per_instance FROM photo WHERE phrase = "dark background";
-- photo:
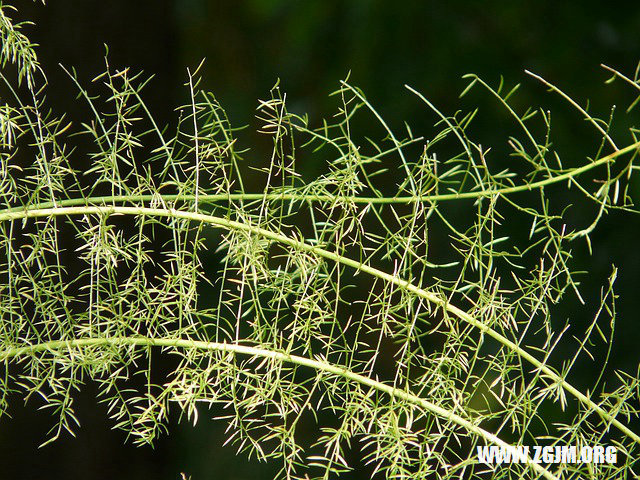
(310, 45)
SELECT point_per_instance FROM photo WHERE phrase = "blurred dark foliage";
(311, 45)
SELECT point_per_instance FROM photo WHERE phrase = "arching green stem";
(303, 246)
(318, 365)
(284, 196)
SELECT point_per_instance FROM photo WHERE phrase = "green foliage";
(400, 327)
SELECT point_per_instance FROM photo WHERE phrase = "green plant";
(324, 283)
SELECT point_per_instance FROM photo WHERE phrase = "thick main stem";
(301, 245)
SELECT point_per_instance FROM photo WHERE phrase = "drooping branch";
(236, 349)
(431, 297)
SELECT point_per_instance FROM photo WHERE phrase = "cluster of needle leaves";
(375, 311)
